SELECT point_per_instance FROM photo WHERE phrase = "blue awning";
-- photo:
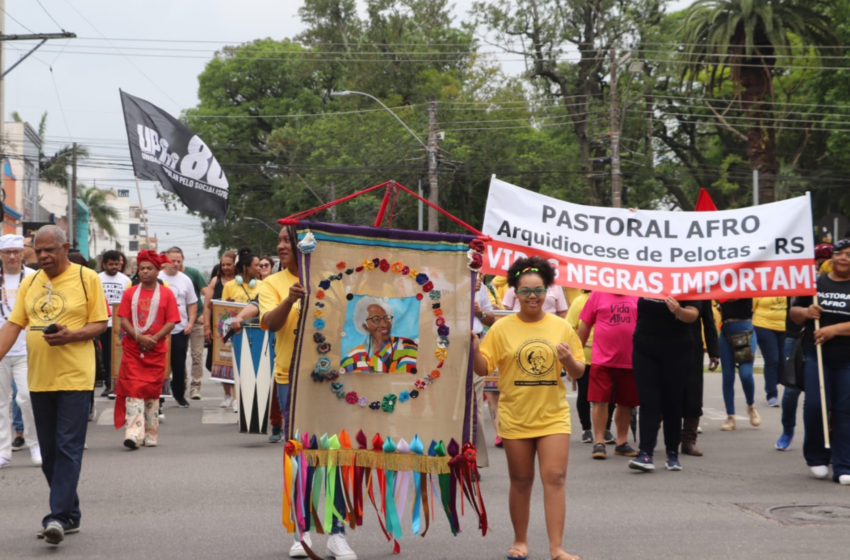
(12, 213)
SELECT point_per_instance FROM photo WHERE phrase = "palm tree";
(744, 37)
(101, 214)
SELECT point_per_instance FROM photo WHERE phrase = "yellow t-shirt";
(240, 293)
(500, 287)
(533, 401)
(573, 319)
(769, 313)
(274, 290)
(60, 368)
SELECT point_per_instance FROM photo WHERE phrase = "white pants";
(15, 367)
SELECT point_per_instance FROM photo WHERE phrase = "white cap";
(11, 241)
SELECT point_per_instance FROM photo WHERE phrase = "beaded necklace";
(3, 291)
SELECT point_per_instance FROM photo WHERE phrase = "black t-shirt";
(655, 320)
(738, 309)
(834, 297)
(792, 329)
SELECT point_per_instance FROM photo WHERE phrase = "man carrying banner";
(114, 283)
(187, 304)
(147, 314)
(63, 309)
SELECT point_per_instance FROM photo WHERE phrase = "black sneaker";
(53, 533)
(18, 443)
(599, 451)
(106, 392)
(587, 436)
(181, 402)
(609, 438)
(72, 529)
(625, 450)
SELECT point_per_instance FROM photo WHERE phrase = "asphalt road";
(208, 492)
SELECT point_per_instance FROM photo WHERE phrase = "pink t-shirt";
(614, 317)
(554, 303)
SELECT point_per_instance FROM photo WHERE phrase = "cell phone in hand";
(52, 328)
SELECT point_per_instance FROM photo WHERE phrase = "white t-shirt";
(184, 292)
(113, 287)
(483, 301)
(8, 293)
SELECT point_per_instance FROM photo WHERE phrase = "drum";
(253, 367)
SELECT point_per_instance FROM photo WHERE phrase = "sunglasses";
(265, 265)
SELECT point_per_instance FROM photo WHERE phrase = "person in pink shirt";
(614, 317)
(555, 302)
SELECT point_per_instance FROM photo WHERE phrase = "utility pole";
(755, 187)
(332, 209)
(72, 211)
(616, 176)
(433, 198)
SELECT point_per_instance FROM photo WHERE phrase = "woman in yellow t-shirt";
(245, 287)
(529, 349)
(769, 323)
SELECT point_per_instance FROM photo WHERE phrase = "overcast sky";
(80, 91)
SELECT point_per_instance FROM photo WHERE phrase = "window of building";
(134, 229)
(134, 245)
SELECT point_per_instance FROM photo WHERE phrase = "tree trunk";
(755, 77)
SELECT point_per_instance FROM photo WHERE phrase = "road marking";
(714, 414)
(219, 416)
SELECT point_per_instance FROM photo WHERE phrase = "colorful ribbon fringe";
(330, 463)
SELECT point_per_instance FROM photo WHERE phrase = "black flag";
(164, 150)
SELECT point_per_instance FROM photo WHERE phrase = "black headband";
(841, 245)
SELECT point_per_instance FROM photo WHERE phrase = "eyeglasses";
(527, 292)
(376, 320)
(12, 252)
(265, 265)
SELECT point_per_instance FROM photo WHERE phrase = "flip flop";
(511, 557)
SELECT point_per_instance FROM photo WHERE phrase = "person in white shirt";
(114, 283)
(14, 365)
(482, 318)
(187, 304)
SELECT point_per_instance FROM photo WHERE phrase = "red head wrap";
(163, 259)
(151, 257)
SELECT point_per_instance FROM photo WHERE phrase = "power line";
(50, 16)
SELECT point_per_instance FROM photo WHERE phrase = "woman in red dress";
(148, 313)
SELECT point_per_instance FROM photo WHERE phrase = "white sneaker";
(92, 412)
(161, 416)
(844, 479)
(4, 463)
(226, 402)
(820, 471)
(297, 550)
(35, 454)
(339, 549)
(235, 405)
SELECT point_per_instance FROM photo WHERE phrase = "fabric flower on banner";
(376, 261)
(319, 324)
(337, 277)
(359, 269)
(441, 353)
(318, 376)
(435, 374)
(351, 397)
(340, 394)
(405, 270)
(419, 384)
(325, 284)
(443, 331)
(368, 265)
(332, 375)
(363, 402)
(341, 265)
(375, 405)
(323, 364)
(397, 267)
(440, 321)
(388, 402)
(308, 244)
(438, 312)
(319, 305)
(428, 287)
(435, 305)
(384, 265)
(476, 261)
(404, 396)
(414, 393)
(318, 313)
(428, 379)
(435, 295)
(323, 348)
(349, 271)
(421, 279)
(413, 273)
(336, 386)
(477, 245)
(420, 297)
(318, 338)
(320, 294)
(443, 342)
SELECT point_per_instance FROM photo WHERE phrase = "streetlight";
(262, 222)
(424, 145)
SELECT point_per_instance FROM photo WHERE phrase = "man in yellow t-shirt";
(63, 309)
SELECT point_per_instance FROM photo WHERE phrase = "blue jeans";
(61, 420)
(339, 497)
(836, 381)
(727, 364)
(17, 415)
(789, 397)
(772, 346)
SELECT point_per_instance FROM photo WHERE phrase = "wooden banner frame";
(223, 352)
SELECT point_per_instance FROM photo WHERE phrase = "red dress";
(141, 378)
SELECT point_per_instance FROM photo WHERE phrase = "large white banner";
(764, 250)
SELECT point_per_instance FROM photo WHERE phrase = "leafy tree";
(101, 213)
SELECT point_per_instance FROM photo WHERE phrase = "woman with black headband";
(529, 349)
(832, 309)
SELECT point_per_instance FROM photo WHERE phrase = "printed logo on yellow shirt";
(49, 307)
(536, 359)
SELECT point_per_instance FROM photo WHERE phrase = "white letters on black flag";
(764, 250)
(164, 150)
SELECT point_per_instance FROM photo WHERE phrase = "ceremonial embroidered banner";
(384, 334)
(118, 352)
(223, 313)
(759, 251)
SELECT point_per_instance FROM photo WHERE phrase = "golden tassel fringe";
(398, 462)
